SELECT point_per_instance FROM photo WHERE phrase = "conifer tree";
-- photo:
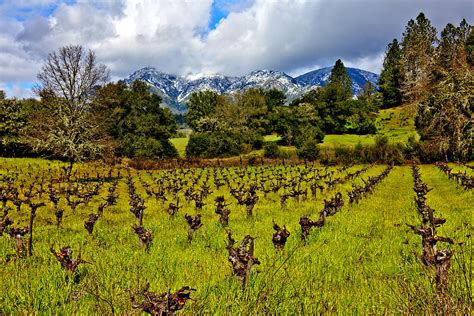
(444, 116)
(451, 48)
(391, 78)
(340, 76)
(418, 50)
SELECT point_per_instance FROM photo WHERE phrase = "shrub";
(198, 145)
(142, 147)
(309, 150)
(213, 145)
(257, 142)
(271, 150)
(245, 148)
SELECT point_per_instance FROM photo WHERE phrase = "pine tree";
(418, 50)
(340, 76)
(469, 47)
(444, 116)
(391, 78)
(450, 52)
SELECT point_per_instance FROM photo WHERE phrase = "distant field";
(396, 123)
(180, 145)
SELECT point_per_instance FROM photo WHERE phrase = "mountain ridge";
(175, 90)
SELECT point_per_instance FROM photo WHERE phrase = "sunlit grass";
(365, 260)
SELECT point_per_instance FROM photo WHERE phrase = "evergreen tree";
(136, 121)
(391, 78)
(418, 49)
(450, 52)
(14, 115)
(469, 47)
(340, 76)
(444, 117)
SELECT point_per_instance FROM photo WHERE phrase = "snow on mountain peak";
(176, 90)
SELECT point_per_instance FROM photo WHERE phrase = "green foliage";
(14, 115)
(309, 150)
(297, 123)
(469, 47)
(391, 77)
(445, 118)
(274, 98)
(362, 117)
(236, 124)
(451, 48)
(340, 76)
(214, 144)
(200, 105)
(341, 115)
(137, 122)
(271, 150)
(444, 115)
(141, 146)
(417, 48)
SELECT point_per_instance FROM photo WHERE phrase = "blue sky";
(232, 37)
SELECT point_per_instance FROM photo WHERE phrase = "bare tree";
(72, 74)
(69, 126)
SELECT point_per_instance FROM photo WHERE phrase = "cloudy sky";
(192, 37)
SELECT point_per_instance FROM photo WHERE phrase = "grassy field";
(396, 123)
(364, 260)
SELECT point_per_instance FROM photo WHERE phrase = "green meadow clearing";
(364, 260)
(398, 124)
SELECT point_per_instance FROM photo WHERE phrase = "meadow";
(397, 123)
(364, 259)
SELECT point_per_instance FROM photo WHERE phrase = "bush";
(257, 142)
(309, 132)
(309, 150)
(245, 148)
(213, 145)
(197, 145)
(142, 147)
(271, 150)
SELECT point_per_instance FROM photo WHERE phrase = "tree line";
(436, 74)
(79, 115)
(229, 125)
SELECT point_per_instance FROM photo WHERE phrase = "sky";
(198, 37)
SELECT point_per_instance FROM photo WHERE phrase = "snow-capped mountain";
(269, 79)
(320, 77)
(175, 90)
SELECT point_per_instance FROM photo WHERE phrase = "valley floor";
(365, 260)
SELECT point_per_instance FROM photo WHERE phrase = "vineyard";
(364, 239)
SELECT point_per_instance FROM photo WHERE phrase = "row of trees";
(234, 124)
(80, 117)
(437, 75)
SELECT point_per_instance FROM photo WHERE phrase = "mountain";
(320, 78)
(175, 90)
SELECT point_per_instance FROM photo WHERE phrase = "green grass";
(398, 124)
(180, 145)
(363, 261)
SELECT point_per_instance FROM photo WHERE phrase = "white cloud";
(173, 35)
